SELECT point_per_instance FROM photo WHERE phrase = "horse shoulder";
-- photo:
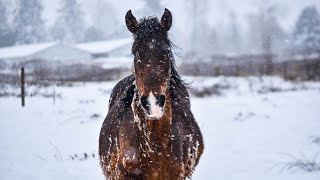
(120, 90)
(118, 131)
(120, 112)
(118, 148)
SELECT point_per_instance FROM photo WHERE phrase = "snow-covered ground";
(250, 130)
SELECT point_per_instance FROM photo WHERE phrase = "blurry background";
(248, 37)
(253, 67)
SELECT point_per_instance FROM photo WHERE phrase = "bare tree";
(69, 25)
(265, 31)
(233, 38)
(203, 38)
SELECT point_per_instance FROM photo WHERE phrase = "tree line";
(259, 33)
(24, 24)
(263, 35)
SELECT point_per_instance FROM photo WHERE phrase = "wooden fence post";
(54, 95)
(22, 87)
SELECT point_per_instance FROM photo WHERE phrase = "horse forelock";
(149, 29)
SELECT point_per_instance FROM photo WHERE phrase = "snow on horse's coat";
(149, 131)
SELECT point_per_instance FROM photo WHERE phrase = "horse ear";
(166, 20)
(131, 22)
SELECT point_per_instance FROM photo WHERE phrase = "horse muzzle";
(153, 105)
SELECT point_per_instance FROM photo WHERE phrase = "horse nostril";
(161, 100)
(144, 102)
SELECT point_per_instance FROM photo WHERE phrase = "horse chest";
(157, 159)
(154, 138)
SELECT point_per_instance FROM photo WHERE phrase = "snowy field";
(252, 130)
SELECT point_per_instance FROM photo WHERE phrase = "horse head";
(152, 61)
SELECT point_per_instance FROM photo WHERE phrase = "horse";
(150, 132)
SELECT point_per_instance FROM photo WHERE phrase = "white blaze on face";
(156, 111)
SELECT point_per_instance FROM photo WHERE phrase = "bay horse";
(149, 132)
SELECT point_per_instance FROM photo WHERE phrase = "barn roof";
(92, 48)
(23, 50)
(107, 46)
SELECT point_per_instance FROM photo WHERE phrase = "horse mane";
(175, 76)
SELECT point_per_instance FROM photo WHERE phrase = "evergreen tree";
(105, 19)
(307, 31)
(4, 26)
(69, 26)
(6, 35)
(28, 22)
